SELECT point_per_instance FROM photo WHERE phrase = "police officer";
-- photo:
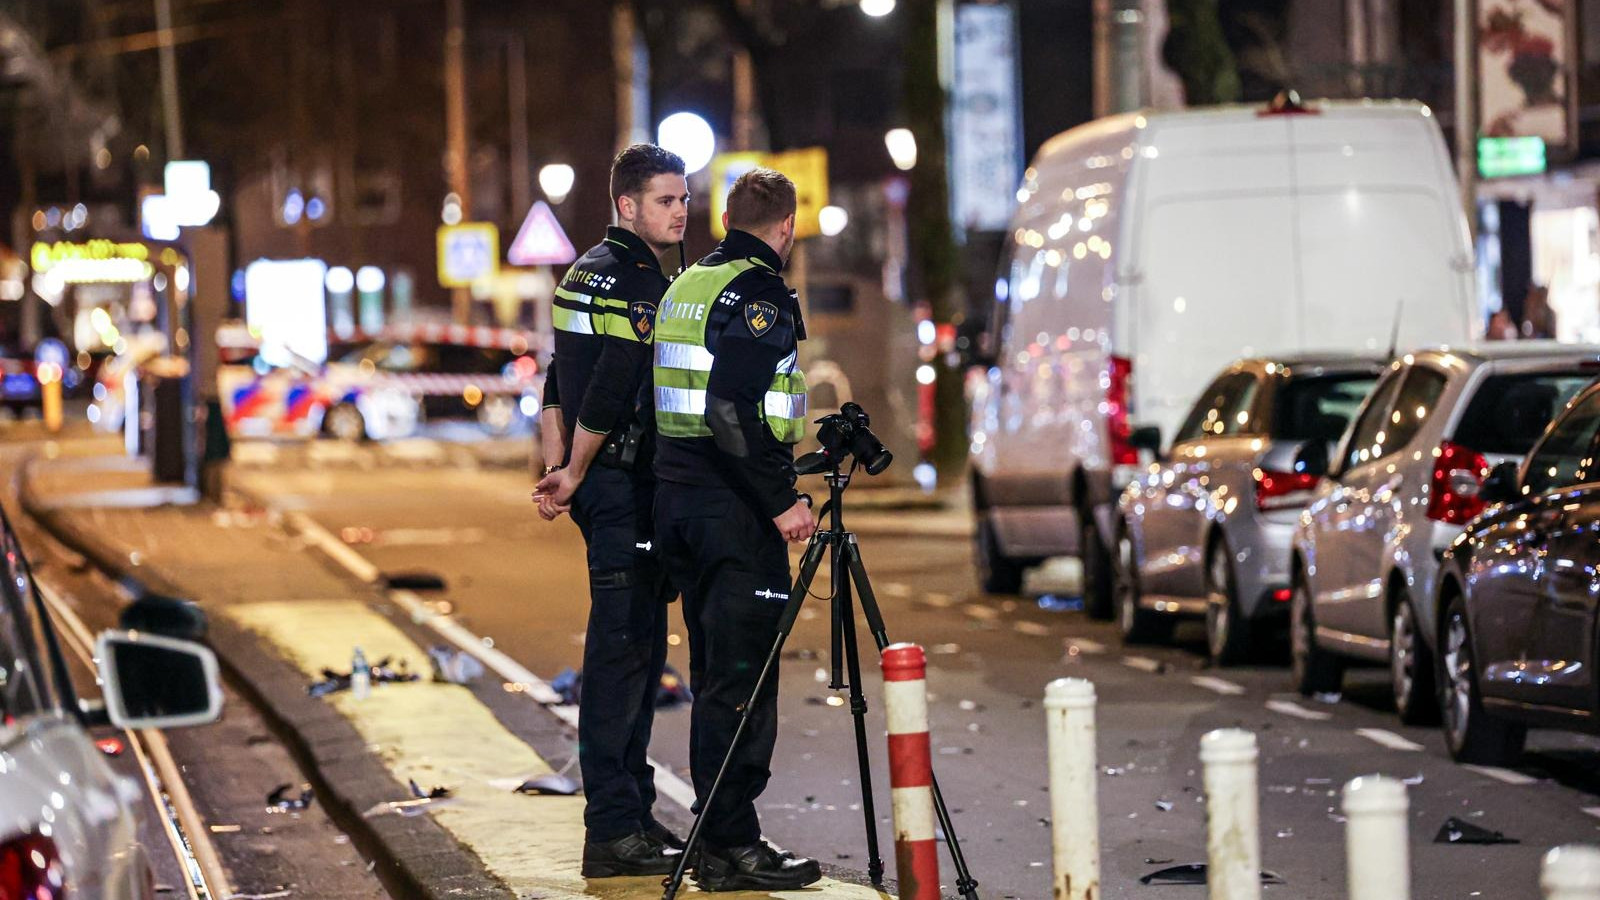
(597, 437)
(730, 405)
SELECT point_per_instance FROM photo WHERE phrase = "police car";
(19, 385)
(383, 386)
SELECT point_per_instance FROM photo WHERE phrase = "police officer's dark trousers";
(732, 567)
(623, 653)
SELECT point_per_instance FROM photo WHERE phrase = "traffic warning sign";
(540, 241)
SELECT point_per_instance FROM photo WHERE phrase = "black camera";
(843, 435)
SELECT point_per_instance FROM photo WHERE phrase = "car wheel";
(497, 415)
(1227, 629)
(1470, 733)
(997, 573)
(1097, 569)
(1315, 671)
(1410, 667)
(1138, 625)
(346, 423)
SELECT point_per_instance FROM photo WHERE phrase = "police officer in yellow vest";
(730, 405)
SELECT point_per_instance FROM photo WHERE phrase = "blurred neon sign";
(92, 262)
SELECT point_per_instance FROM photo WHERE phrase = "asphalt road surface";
(520, 582)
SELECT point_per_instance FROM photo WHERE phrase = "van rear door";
(1380, 237)
(1214, 248)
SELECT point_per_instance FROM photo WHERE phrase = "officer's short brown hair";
(759, 199)
(633, 168)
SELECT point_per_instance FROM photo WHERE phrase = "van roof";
(1111, 126)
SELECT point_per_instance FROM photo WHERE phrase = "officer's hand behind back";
(796, 523)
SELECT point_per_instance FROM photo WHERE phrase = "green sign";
(1499, 157)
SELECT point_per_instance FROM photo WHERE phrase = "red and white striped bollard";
(916, 847)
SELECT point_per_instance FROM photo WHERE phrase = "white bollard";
(1074, 810)
(1571, 872)
(1233, 815)
(1377, 849)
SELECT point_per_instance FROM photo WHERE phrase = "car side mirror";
(152, 681)
(1147, 437)
(1500, 485)
(1311, 458)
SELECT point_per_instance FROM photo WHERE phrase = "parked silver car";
(68, 823)
(1206, 531)
(1406, 478)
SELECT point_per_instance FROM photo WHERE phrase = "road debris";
(552, 783)
(454, 666)
(414, 581)
(1455, 831)
(280, 800)
(435, 793)
(408, 808)
(1060, 603)
(382, 673)
(674, 690)
(1194, 873)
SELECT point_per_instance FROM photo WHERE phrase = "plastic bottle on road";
(360, 676)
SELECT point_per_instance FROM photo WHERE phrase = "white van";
(1150, 249)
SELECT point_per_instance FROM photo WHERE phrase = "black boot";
(753, 867)
(661, 834)
(633, 854)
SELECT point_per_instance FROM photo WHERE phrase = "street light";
(689, 136)
(832, 219)
(556, 181)
(902, 146)
(339, 280)
(369, 279)
(877, 8)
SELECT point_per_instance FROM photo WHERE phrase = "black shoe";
(663, 835)
(753, 867)
(633, 854)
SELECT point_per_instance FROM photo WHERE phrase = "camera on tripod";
(845, 434)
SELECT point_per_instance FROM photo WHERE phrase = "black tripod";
(847, 570)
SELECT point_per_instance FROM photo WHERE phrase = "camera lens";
(867, 448)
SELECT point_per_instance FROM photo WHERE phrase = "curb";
(415, 857)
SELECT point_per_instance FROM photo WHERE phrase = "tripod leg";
(839, 612)
(846, 622)
(965, 883)
(869, 600)
(802, 582)
(791, 612)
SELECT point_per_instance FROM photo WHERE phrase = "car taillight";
(1457, 483)
(1283, 490)
(1123, 453)
(30, 869)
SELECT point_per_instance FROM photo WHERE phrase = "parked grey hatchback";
(1206, 530)
(1406, 479)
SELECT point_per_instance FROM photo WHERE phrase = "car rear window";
(1318, 407)
(1509, 412)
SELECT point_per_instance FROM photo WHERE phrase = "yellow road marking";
(440, 734)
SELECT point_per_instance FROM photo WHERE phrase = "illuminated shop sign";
(92, 262)
(1499, 157)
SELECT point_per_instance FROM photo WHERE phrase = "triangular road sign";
(540, 241)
